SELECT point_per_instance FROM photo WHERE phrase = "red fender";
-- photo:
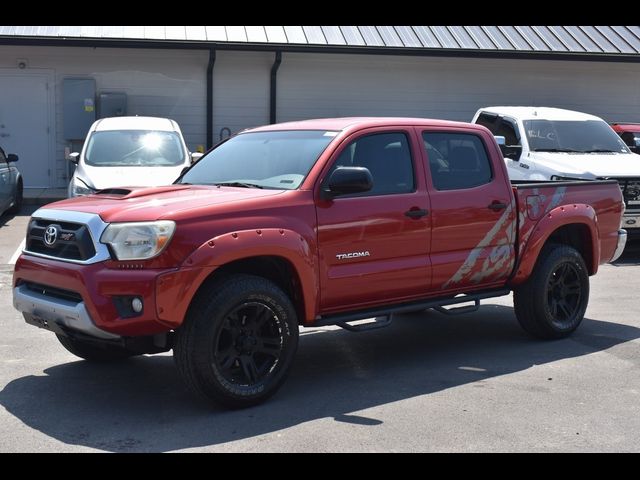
(581, 214)
(175, 290)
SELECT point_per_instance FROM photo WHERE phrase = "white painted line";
(17, 253)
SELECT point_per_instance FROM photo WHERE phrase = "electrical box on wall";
(78, 107)
(112, 104)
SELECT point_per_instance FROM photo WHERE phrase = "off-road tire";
(552, 302)
(238, 341)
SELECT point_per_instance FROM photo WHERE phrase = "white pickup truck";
(554, 144)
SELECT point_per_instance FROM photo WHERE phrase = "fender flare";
(228, 247)
(538, 234)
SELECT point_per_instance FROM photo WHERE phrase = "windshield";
(147, 148)
(279, 159)
(586, 136)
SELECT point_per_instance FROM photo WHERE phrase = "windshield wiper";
(556, 150)
(600, 150)
(238, 184)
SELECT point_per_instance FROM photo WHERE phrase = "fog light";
(136, 305)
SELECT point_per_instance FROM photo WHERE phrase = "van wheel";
(552, 302)
(238, 341)
(93, 353)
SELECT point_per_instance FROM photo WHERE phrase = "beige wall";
(164, 83)
(172, 83)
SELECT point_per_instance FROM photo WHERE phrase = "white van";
(554, 144)
(129, 151)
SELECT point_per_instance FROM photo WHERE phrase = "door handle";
(416, 212)
(5, 135)
(496, 206)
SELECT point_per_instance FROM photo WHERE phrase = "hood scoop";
(134, 192)
(114, 191)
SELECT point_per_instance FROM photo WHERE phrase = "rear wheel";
(238, 341)
(93, 353)
(552, 303)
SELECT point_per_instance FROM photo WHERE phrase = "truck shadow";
(141, 405)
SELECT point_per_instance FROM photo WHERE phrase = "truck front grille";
(64, 240)
(630, 188)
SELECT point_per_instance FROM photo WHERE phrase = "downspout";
(274, 83)
(212, 61)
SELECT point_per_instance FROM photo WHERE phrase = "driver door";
(372, 249)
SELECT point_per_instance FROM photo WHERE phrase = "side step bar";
(387, 311)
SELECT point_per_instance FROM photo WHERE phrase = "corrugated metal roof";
(623, 40)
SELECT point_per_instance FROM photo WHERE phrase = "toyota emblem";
(51, 235)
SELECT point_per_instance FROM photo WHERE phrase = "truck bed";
(543, 202)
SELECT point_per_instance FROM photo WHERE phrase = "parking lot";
(429, 382)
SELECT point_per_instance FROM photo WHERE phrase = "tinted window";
(507, 129)
(388, 158)
(572, 136)
(3, 159)
(125, 148)
(632, 139)
(457, 160)
(500, 126)
(278, 159)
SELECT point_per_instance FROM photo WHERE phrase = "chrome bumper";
(52, 313)
(631, 219)
(622, 241)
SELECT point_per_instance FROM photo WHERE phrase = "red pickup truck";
(318, 222)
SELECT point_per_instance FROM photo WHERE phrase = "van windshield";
(148, 148)
(583, 136)
(274, 159)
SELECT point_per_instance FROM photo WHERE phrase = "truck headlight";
(138, 240)
(79, 188)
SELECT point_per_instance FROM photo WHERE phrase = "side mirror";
(512, 152)
(74, 156)
(12, 157)
(500, 140)
(195, 156)
(348, 180)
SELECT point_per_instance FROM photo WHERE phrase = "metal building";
(217, 80)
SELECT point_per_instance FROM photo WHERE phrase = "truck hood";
(139, 176)
(145, 204)
(590, 165)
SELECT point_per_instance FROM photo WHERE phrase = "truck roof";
(339, 124)
(533, 113)
(626, 127)
(136, 123)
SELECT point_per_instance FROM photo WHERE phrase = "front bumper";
(93, 310)
(56, 314)
(622, 241)
(631, 222)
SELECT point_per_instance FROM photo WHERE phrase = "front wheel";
(552, 302)
(238, 341)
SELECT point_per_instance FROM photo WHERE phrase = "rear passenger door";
(472, 212)
(374, 246)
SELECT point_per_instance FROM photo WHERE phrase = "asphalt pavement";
(429, 382)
